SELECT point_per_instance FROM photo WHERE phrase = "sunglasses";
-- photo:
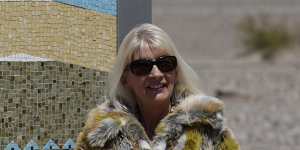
(143, 67)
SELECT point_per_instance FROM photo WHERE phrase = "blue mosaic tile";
(70, 144)
(51, 145)
(103, 6)
(12, 146)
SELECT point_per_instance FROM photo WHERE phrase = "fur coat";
(194, 124)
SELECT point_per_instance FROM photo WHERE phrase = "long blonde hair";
(149, 35)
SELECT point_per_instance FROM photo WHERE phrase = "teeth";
(156, 86)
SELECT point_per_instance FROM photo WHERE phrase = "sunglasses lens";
(166, 64)
(141, 67)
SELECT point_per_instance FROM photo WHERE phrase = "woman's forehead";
(149, 53)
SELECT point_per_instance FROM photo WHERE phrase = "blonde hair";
(149, 36)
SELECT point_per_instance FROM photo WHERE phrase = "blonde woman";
(154, 102)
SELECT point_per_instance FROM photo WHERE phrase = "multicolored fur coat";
(194, 124)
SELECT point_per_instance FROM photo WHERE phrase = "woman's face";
(155, 87)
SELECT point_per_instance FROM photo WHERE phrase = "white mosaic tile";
(23, 58)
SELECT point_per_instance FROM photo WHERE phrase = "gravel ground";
(261, 103)
(261, 99)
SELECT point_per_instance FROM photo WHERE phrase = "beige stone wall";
(59, 32)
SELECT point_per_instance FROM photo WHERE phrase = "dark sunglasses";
(143, 67)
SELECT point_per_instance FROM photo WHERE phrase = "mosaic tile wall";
(42, 100)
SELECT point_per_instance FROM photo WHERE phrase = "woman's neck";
(151, 115)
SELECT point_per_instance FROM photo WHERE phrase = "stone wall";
(42, 100)
(59, 32)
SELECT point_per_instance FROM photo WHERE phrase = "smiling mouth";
(156, 86)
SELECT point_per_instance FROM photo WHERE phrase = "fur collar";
(109, 126)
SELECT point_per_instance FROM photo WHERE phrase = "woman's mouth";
(156, 88)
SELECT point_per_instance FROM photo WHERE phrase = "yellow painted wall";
(58, 32)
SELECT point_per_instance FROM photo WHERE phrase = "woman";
(154, 102)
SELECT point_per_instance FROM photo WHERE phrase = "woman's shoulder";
(196, 118)
(193, 110)
(106, 115)
(200, 102)
(105, 123)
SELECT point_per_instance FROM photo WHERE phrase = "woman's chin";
(158, 95)
(161, 96)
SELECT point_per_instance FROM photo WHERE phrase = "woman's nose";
(155, 72)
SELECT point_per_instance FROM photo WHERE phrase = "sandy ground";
(261, 99)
